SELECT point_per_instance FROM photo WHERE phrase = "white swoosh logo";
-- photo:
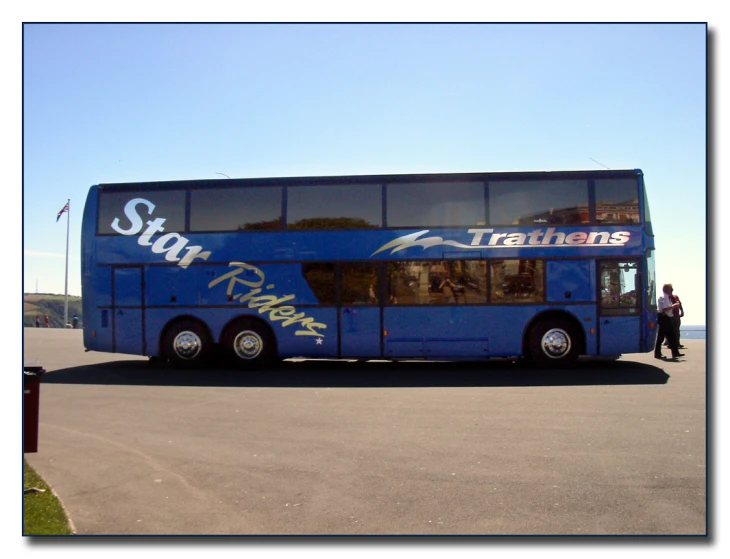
(412, 240)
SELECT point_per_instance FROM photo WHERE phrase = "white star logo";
(319, 341)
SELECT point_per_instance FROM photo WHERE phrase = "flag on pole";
(65, 209)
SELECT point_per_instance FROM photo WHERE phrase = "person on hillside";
(37, 321)
(47, 321)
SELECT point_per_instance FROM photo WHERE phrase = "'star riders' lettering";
(267, 303)
(170, 244)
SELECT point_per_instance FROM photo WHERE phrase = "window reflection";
(619, 287)
(457, 204)
(235, 209)
(169, 204)
(617, 201)
(321, 279)
(334, 207)
(359, 284)
(538, 202)
(518, 281)
(447, 282)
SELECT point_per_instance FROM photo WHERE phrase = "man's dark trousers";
(666, 330)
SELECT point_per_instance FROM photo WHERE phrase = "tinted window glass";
(334, 207)
(235, 209)
(617, 201)
(168, 205)
(456, 204)
(448, 282)
(321, 280)
(359, 284)
(538, 202)
(518, 281)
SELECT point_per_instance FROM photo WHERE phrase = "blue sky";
(117, 103)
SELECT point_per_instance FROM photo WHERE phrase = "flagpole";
(65, 300)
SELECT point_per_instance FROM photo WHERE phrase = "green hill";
(52, 305)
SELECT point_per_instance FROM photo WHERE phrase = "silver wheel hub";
(187, 345)
(248, 344)
(555, 343)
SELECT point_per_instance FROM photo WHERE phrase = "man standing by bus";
(665, 313)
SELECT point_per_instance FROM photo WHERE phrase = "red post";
(31, 401)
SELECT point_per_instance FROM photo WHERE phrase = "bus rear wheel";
(553, 343)
(249, 344)
(186, 343)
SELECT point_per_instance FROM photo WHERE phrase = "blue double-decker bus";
(542, 265)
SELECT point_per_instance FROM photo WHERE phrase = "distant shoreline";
(693, 332)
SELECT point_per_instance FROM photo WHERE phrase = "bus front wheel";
(186, 343)
(553, 343)
(249, 344)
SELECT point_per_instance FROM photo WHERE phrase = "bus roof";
(370, 179)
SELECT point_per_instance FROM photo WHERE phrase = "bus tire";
(553, 343)
(186, 343)
(249, 344)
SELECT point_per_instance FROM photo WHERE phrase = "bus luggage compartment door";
(127, 310)
(360, 331)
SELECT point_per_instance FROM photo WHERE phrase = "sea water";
(693, 332)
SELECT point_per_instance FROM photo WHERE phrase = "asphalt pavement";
(609, 447)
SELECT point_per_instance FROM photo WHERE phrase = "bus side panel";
(569, 280)
(620, 334)
(217, 284)
(97, 313)
(127, 319)
(314, 338)
(469, 332)
(226, 291)
(310, 332)
(360, 332)
(588, 315)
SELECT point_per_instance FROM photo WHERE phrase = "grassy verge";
(42, 511)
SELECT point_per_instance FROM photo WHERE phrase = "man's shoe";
(682, 347)
(659, 357)
(678, 355)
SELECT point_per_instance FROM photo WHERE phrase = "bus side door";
(127, 310)
(619, 307)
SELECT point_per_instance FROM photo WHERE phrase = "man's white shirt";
(665, 302)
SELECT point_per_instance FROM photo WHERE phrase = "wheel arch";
(554, 315)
